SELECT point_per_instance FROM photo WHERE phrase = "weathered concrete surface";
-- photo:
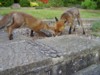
(63, 55)
(18, 34)
(91, 70)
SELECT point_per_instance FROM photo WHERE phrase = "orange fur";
(59, 27)
(70, 15)
(17, 19)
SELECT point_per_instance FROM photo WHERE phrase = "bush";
(41, 4)
(89, 4)
(24, 3)
(0, 4)
(96, 26)
(51, 3)
(98, 3)
(65, 3)
(56, 3)
(34, 4)
(6, 3)
(71, 2)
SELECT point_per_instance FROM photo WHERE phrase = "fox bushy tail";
(6, 21)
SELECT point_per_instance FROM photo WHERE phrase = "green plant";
(41, 4)
(71, 2)
(0, 4)
(34, 4)
(24, 3)
(89, 4)
(96, 29)
(96, 26)
(97, 3)
(96, 34)
(56, 3)
(6, 3)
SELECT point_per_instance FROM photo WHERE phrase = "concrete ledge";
(63, 55)
(91, 70)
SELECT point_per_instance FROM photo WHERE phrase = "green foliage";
(89, 4)
(0, 4)
(71, 2)
(56, 3)
(24, 3)
(98, 3)
(6, 3)
(34, 4)
(96, 26)
(65, 2)
(51, 3)
(96, 29)
(41, 4)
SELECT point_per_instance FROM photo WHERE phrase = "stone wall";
(63, 55)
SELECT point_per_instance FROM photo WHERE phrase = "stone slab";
(91, 70)
(23, 55)
(67, 44)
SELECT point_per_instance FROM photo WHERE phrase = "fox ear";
(56, 18)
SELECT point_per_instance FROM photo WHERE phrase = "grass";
(90, 14)
(49, 13)
(96, 34)
(96, 28)
(39, 13)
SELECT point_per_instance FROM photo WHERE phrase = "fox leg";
(74, 29)
(82, 27)
(71, 26)
(10, 30)
(80, 23)
(70, 29)
(31, 34)
(10, 35)
(74, 26)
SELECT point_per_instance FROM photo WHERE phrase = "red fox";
(17, 19)
(59, 26)
(70, 15)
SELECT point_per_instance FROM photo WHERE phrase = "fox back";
(5, 21)
(17, 19)
(70, 15)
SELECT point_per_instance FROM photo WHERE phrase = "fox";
(69, 16)
(60, 26)
(15, 20)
